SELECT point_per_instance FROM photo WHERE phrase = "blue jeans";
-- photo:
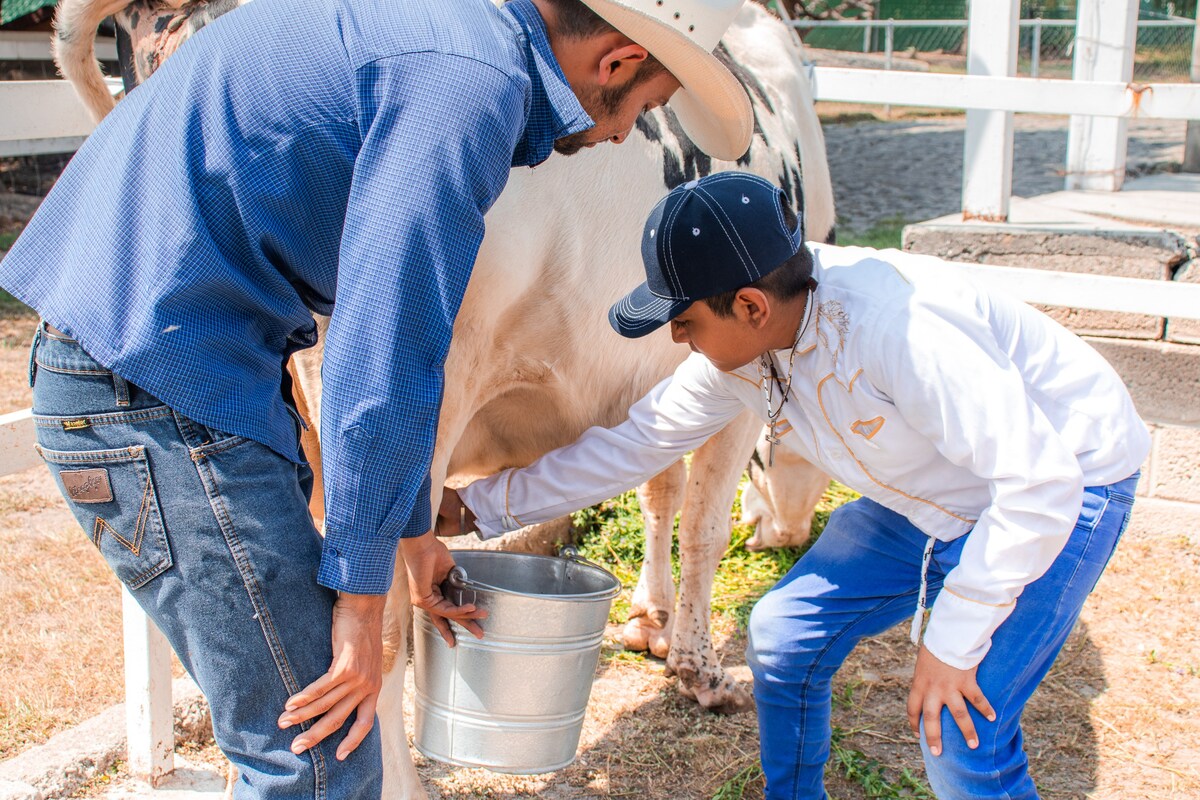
(861, 578)
(212, 535)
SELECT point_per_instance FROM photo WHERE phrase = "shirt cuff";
(357, 565)
(960, 630)
(488, 500)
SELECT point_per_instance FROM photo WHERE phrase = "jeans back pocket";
(112, 494)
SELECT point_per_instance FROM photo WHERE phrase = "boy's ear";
(754, 305)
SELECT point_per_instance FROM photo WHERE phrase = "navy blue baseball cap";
(706, 237)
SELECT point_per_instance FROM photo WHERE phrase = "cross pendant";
(773, 440)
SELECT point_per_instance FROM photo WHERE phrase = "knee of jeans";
(960, 773)
(776, 640)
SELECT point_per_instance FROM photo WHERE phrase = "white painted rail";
(35, 46)
(43, 117)
(1031, 95)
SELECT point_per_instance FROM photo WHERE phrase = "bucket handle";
(461, 582)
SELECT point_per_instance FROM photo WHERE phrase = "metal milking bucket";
(514, 701)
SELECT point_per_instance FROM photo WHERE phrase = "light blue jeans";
(861, 578)
(212, 535)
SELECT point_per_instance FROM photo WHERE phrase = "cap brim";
(711, 104)
(642, 311)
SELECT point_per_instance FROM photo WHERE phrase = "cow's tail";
(75, 24)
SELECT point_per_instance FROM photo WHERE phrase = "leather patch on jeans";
(87, 485)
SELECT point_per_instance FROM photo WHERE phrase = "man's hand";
(353, 681)
(936, 684)
(428, 561)
(454, 518)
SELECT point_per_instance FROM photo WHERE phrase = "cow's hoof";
(713, 688)
(650, 633)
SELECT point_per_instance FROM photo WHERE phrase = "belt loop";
(37, 338)
(121, 388)
(919, 616)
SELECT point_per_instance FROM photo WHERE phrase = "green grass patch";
(12, 307)
(7, 239)
(735, 788)
(884, 234)
(872, 776)
(611, 534)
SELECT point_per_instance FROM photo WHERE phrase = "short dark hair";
(790, 279)
(573, 19)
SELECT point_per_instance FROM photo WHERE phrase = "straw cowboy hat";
(712, 105)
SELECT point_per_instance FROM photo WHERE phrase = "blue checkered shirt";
(295, 153)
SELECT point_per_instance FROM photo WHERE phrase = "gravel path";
(912, 169)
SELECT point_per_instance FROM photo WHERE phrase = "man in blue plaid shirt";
(300, 156)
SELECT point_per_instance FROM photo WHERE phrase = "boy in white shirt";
(996, 452)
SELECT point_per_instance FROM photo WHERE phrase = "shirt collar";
(554, 111)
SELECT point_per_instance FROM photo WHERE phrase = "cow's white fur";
(533, 362)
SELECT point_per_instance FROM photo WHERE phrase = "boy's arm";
(677, 415)
(954, 385)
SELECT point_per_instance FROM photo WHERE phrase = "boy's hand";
(454, 518)
(936, 684)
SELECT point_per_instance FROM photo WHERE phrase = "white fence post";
(149, 710)
(987, 159)
(1105, 37)
(1035, 49)
(1191, 148)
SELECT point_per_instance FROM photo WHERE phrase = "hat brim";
(642, 311)
(712, 105)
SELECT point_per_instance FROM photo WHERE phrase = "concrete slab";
(1170, 199)
(188, 782)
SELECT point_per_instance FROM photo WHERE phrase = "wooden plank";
(1096, 292)
(34, 147)
(17, 437)
(149, 711)
(1105, 37)
(988, 151)
(1029, 95)
(43, 110)
(35, 46)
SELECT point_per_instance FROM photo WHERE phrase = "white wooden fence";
(45, 116)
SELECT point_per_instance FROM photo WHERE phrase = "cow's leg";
(704, 530)
(652, 613)
(400, 778)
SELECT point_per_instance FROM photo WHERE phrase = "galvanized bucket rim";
(585, 597)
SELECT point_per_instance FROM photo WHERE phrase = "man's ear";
(619, 63)
(754, 305)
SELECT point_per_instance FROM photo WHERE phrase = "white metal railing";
(1035, 26)
(35, 46)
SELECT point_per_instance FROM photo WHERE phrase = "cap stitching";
(717, 213)
(669, 226)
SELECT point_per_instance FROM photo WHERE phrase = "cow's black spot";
(744, 76)
(161, 24)
(672, 169)
(832, 237)
(696, 163)
(648, 125)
